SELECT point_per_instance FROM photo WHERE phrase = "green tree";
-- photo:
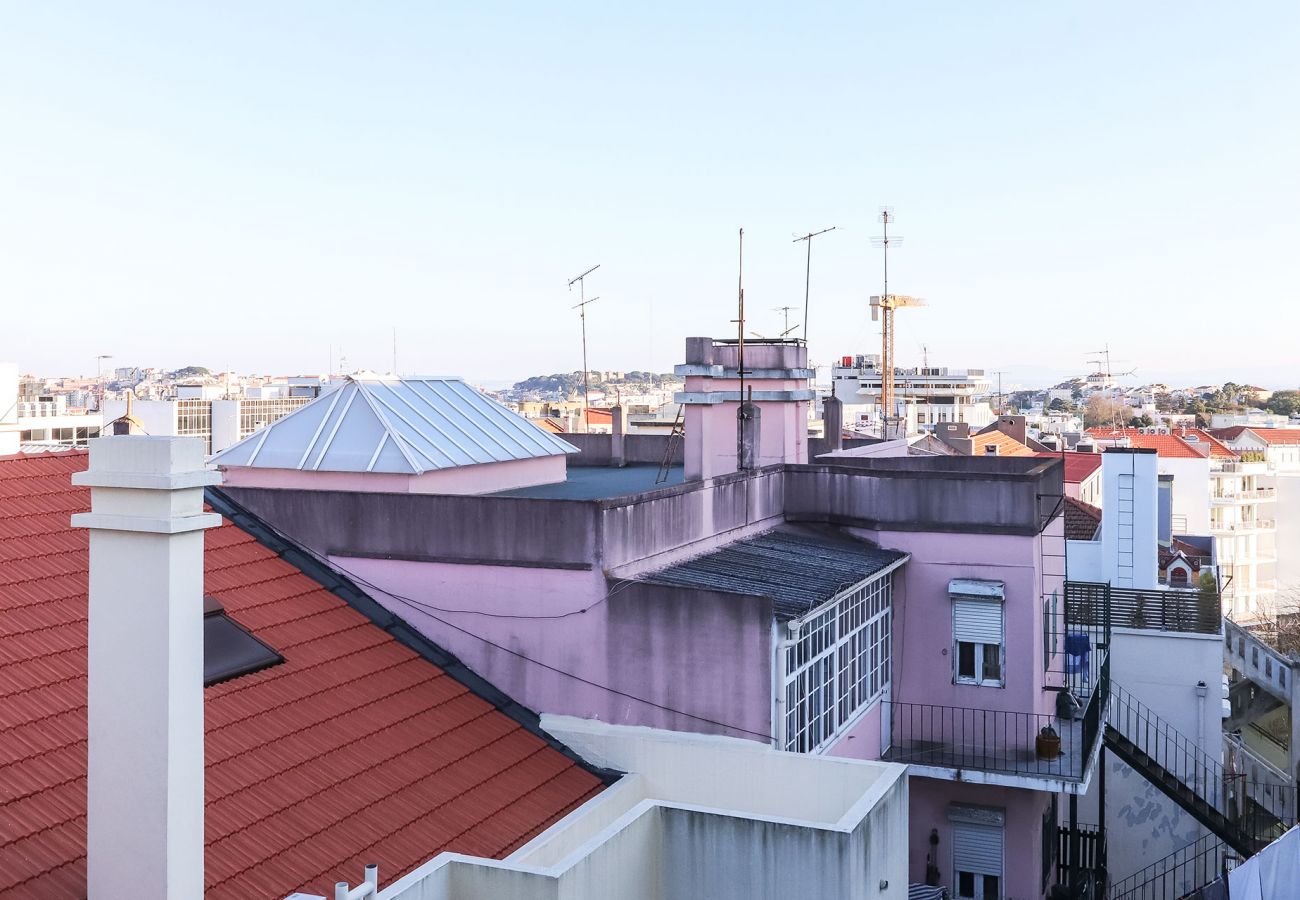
(1284, 403)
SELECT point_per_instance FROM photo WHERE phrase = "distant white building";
(938, 394)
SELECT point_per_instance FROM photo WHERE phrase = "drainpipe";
(1201, 692)
(144, 785)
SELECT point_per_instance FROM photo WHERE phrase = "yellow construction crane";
(886, 304)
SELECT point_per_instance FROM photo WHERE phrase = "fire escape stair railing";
(1173, 787)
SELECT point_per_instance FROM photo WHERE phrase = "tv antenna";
(882, 309)
(786, 327)
(1000, 374)
(807, 275)
(581, 307)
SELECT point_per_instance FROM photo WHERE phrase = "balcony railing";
(1247, 526)
(1255, 495)
(998, 741)
(1198, 612)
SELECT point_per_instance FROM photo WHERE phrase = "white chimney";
(1129, 517)
(144, 829)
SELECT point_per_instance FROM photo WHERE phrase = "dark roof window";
(228, 649)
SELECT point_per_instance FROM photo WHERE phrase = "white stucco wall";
(1161, 669)
(699, 816)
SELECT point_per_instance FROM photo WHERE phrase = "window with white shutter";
(978, 838)
(978, 652)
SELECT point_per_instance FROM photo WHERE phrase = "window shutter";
(978, 621)
(977, 848)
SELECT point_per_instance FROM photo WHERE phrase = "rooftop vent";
(229, 651)
(990, 449)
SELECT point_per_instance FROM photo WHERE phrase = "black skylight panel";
(228, 649)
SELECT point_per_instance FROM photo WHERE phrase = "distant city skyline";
(243, 187)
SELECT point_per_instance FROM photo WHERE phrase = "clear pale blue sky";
(245, 184)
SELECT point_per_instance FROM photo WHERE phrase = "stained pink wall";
(484, 478)
(923, 667)
(862, 741)
(711, 437)
(642, 654)
(1022, 864)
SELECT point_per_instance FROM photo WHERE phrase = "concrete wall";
(699, 817)
(636, 532)
(645, 449)
(1160, 669)
(641, 654)
(508, 530)
(484, 478)
(942, 494)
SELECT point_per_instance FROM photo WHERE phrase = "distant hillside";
(566, 383)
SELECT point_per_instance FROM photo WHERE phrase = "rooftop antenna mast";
(581, 307)
(882, 308)
(1000, 373)
(785, 324)
(807, 274)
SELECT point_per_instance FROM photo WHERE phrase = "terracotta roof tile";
(291, 805)
(1007, 445)
(1081, 520)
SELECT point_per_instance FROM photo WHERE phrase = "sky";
(269, 186)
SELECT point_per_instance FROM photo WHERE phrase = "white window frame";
(837, 663)
(978, 591)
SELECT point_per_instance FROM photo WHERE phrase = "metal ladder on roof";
(674, 441)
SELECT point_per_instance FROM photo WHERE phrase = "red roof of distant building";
(1081, 520)
(1286, 436)
(1177, 444)
(1078, 466)
(293, 803)
(1006, 445)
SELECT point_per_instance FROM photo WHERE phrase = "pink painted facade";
(698, 661)
(713, 391)
(929, 804)
(484, 478)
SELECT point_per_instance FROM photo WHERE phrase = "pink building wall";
(642, 654)
(484, 478)
(1022, 863)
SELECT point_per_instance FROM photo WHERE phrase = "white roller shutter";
(978, 621)
(977, 848)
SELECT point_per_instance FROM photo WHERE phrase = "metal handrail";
(1167, 878)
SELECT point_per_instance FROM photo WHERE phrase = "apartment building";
(907, 609)
(939, 394)
(1217, 490)
(218, 423)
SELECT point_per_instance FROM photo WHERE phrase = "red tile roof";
(1081, 520)
(290, 804)
(1288, 436)
(1179, 444)
(1078, 466)
(1007, 445)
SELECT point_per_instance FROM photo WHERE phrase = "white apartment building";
(1278, 452)
(220, 423)
(938, 394)
(44, 422)
(1218, 490)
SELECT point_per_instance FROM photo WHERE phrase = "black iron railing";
(1193, 611)
(1252, 812)
(995, 740)
(1177, 874)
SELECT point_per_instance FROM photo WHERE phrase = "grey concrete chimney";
(144, 786)
(833, 419)
(616, 454)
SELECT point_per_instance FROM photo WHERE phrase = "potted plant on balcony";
(1047, 745)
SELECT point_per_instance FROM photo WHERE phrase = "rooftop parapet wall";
(432, 527)
(943, 494)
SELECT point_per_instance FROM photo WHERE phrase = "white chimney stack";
(1129, 516)
(144, 829)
